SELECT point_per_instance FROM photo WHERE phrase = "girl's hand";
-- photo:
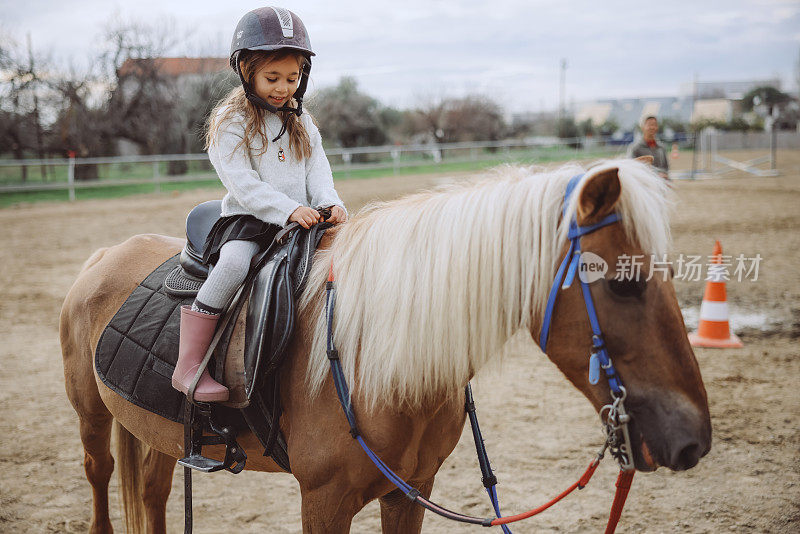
(305, 216)
(338, 215)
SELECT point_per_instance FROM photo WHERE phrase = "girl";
(269, 156)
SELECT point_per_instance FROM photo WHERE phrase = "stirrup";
(197, 419)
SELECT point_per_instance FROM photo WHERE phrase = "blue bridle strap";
(579, 231)
(599, 356)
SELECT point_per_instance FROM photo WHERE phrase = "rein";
(614, 416)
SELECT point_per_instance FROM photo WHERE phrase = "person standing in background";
(648, 146)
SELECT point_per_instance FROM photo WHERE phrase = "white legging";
(227, 275)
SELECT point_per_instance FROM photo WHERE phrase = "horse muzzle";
(675, 439)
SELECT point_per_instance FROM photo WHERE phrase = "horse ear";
(647, 160)
(599, 196)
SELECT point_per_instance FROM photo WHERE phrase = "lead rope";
(413, 494)
(624, 481)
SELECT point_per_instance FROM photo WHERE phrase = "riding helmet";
(269, 29)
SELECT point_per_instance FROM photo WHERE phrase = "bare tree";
(125, 92)
(10, 118)
(23, 82)
(471, 118)
(82, 123)
(160, 110)
(131, 39)
(348, 116)
(139, 104)
(428, 119)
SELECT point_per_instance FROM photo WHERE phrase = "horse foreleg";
(157, 469)
(328, 509)
(99, 464)
(401, 515)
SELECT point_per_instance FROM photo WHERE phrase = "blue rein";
(617, 417)
(412, 493)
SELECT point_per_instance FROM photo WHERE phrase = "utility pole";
(695, 141)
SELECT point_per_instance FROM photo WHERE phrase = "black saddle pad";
(137, 351)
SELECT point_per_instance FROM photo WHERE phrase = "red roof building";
(174, 67)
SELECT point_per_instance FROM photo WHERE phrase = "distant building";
(628, 112)
(175, 66)
(192, 83)
(181, 72)
(730, 90)
(720, 101)
(714, 109)
(598, 113)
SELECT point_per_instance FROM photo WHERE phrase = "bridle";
(614, 416)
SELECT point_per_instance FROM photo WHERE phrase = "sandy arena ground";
(540, 432)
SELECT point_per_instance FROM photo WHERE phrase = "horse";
(429, 288)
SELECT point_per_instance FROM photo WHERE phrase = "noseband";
(614, 416)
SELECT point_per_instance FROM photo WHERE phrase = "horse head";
(642, 327)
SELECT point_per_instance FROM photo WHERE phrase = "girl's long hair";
(236, 105)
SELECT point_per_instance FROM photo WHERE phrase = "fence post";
(714, 149)
(395, 160)
(71, 175)
(347, 157)
(773, 148)
(156, 175)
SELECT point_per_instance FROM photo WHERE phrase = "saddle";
(278, 275)
(143, 335)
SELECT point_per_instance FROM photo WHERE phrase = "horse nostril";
(687, 457)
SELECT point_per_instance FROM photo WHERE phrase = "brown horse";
(429, 289)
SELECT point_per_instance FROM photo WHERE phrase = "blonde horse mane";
(429, 287)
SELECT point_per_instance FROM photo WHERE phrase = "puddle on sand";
(742, 319)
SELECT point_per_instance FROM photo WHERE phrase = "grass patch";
(104, 171)
(459, 165)
(109, 191)
(421, 166)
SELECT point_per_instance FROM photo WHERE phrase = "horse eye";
(627, 288)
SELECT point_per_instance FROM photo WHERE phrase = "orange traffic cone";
(674, 154)
(714, 329)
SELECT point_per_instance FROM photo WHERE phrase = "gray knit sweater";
(267, 186)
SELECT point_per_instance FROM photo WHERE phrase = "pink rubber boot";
(197, 330)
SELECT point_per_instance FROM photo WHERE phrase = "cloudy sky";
(509, 50)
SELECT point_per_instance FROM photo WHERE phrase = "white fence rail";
(60, 173)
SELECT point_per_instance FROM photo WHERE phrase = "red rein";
(624, 481)
(525, 515)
